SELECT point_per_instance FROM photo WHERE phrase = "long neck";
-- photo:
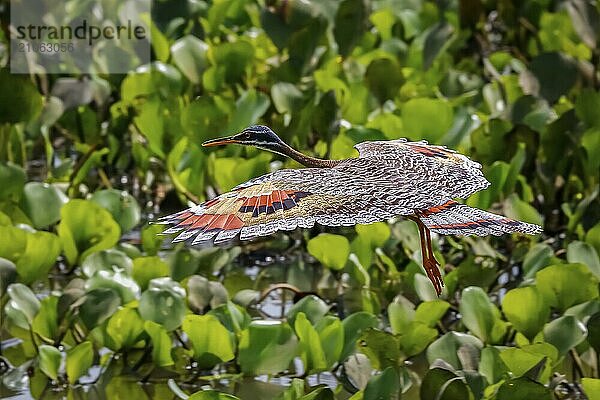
(305, 160)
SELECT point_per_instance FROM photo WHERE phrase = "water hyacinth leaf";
(384, 78)
(98, 306)
(79, 360)
(491, 365)
(266, 347)
(442, 384)
(154, 78)
(564, 333)
(354, 325)
(45, 322)
(124, 328)
(20, 100)
(417, 121)
(147, 268)
(382, 348)
(164, 303)
(446, 348)
(383, 386)
(591, 387)
(13, 243)
(41, 252)
(546, 67)
(416, 339)
(23, 299)
(331, 336)
(211, 342)
(539, 256)
(49, 360)
(42, 203)
(12, 181)
(212, 395)
(430, 312)
(248, 109)
(287, 98)
(86, 227)
(8, 274)
(161, 344)
(436, 41)
(526, 309)
(401, 313)
(106, 260)
(125, 286)
(331, 250)
(523, 388)
(313, 307)
(478, 312)
(580, 252)
(350, 24)
(189, 55)
(564, 285)
(123, 207)
(516, 208)
(311, 350)
(232, 316)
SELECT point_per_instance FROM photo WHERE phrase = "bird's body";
(388, 179)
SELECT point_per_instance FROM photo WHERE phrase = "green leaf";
(124, 328)
(20, 100)
(479, 315)
(122, 206)
(12, 181)
(416, 338)
(161, 344)
(350, 24)
(441, 384)
(41, 251)
(446, 348)
(523, 389)
(79, 360)
(98, 306)
(331, 250)
(147, 268)
(163, 303)
(154, 78)
(354, 325)
(382, 348)
(586, 105)
(84, 228)
(401, 312)
(564, 285)
(106, 260)
(8, 274)
(564, 333)
(311, 350)
(538, 257)
(418, 124)
(313, 307)
(516, 208)
(526, 309)
(384, 78)
(211, 341)
(45, 322)
(42, 203)
(125, 286)
(266, 347)
(546, 67)
(250, 106)
(430, 312)
(49, 360)
(436, 42)
(212, 395)
(287, 98)
(491, 365)
(23, 299)
(580, 252)
(591, 387)
(189, 55)
(383, 386)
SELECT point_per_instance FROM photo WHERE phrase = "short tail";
(453, 218)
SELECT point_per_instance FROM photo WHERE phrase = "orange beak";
(220, 141)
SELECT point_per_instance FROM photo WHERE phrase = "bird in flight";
(388, 179)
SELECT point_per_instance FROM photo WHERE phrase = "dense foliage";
(94, 304)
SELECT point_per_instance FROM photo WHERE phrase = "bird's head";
(256, 135)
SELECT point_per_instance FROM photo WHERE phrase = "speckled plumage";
(388, 179)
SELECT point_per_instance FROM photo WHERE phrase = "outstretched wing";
(453, 172)
(282, 200)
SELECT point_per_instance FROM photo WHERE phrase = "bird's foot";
(431, 266)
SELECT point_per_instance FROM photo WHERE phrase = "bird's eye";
(246, 135)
